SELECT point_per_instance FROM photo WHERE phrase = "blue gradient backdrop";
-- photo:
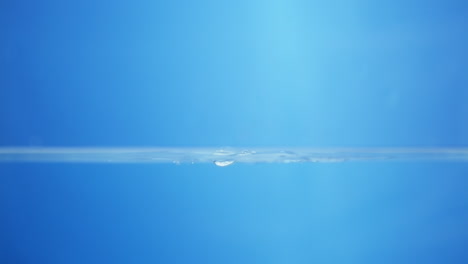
(234, 73)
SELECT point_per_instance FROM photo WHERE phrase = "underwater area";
(279, 131)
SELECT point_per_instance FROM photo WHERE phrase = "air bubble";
(223, 163)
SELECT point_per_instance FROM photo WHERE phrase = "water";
(348, 122)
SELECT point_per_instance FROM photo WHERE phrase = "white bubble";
(223, 163)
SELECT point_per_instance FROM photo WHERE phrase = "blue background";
(234, 73)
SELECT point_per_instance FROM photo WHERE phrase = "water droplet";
(223, 163)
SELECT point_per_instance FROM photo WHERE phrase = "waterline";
(226, 156)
